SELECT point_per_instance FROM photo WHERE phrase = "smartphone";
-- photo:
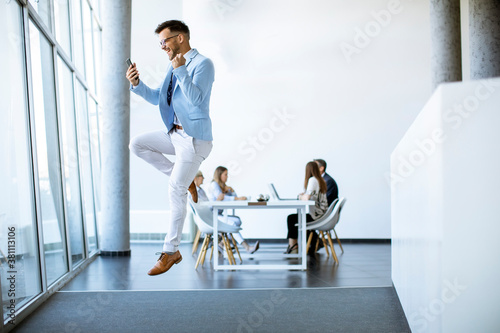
(129, 63)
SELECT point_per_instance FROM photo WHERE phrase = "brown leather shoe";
(165, 262)
(193, 191)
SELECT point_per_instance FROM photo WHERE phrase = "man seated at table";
(332, 191)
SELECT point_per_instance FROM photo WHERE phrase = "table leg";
(216, 236)
(303, 222)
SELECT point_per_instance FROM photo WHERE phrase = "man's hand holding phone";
(132, 73)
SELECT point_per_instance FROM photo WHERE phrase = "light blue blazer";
(190, 98)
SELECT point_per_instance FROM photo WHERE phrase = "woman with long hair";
(315, 190)
(220, 191)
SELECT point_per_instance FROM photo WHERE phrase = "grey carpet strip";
(281, 310)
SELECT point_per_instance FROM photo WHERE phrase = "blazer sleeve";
(196, 88)
(150, 95)
(332, 189)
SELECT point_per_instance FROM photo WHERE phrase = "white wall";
(285, 57)
(445, 211)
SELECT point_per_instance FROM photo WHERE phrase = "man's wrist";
(135, 86)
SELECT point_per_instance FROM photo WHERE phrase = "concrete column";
(446, 57)
(484, 29)
(114, 230)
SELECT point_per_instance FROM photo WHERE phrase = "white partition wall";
(445, 211)
(294, 80)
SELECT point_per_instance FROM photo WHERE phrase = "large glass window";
(70, 168)
(49, 143)
(85, 162)
(47, 148)
(17, 218)
(61, 18)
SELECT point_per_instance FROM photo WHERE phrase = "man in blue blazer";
(183, 99)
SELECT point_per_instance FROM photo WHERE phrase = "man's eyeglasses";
(164, 41)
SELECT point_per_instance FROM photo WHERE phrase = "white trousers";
(189, 153)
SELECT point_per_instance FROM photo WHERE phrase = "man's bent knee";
(177, 189)
(135, 146)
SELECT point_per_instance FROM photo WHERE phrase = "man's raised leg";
(189, 155)
(151, 147)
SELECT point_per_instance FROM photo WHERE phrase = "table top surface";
(256, 204)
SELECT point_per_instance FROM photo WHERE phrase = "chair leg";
(196, 242)
(205, 241)
(236, 247)
(212, 251)
(205, 251)
(322, 234)
(333, 250)
(200, 255)
(338, 241)
(309, 241)
(228, 249)
(317, 245)
(224, 246)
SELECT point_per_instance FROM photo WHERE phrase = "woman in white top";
(219, 191)
(315, 190)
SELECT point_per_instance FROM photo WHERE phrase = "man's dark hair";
(321, 162)
(173, 26)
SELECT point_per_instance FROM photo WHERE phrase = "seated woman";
(219, 191)
(315, 190)
(198, 180)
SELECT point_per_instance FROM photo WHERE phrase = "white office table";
(301, 207)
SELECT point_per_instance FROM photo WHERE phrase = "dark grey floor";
(356, 310)
(361, 265)
(115, 294)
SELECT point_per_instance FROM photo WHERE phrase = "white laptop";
(275, 194)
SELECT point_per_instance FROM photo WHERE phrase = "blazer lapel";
(166, 82)
(194, 54)
(188, 61)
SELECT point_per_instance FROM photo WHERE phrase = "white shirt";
(321, 202)
(202, 196)
(176, 120)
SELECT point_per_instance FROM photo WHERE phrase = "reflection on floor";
(361, 265)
